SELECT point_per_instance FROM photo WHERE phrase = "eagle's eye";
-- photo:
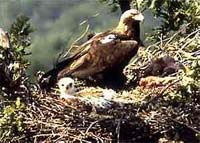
(134, 14)
(62, 85)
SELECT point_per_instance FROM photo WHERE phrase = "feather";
(102, 53)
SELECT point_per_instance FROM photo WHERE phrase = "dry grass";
(139, 114)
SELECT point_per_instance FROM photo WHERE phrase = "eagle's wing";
(49, 78)
(84, 48)
(101, 54)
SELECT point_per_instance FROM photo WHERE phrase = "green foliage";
(13, 63)
(11, 122)
(14, 83)
(189, 87)
(19, 32)
(174, 14)
(20, 39)
(113, 4)
(195, 72)
(191, 80)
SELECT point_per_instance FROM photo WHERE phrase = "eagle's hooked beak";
(138, 17)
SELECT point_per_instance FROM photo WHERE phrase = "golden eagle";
(102, 57)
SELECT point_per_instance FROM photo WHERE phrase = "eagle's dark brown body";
(104, 55)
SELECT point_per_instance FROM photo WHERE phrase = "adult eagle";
(102, 57)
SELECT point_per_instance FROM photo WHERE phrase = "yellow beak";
(138, 17)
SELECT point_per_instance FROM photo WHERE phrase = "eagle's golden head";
(129, 22)
(131, 15)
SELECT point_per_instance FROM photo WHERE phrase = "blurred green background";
(57, 25)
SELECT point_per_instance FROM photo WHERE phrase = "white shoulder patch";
(108, 39)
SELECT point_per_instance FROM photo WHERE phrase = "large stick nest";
(152, 107)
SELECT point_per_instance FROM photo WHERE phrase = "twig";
(161, 41)
(189, 41)
(186, 125)
(118, 129)
(64, 135)
(78, 39)
(158, 96)
(192, 33)
(171, 38)
(90, 126)
(61, 52)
